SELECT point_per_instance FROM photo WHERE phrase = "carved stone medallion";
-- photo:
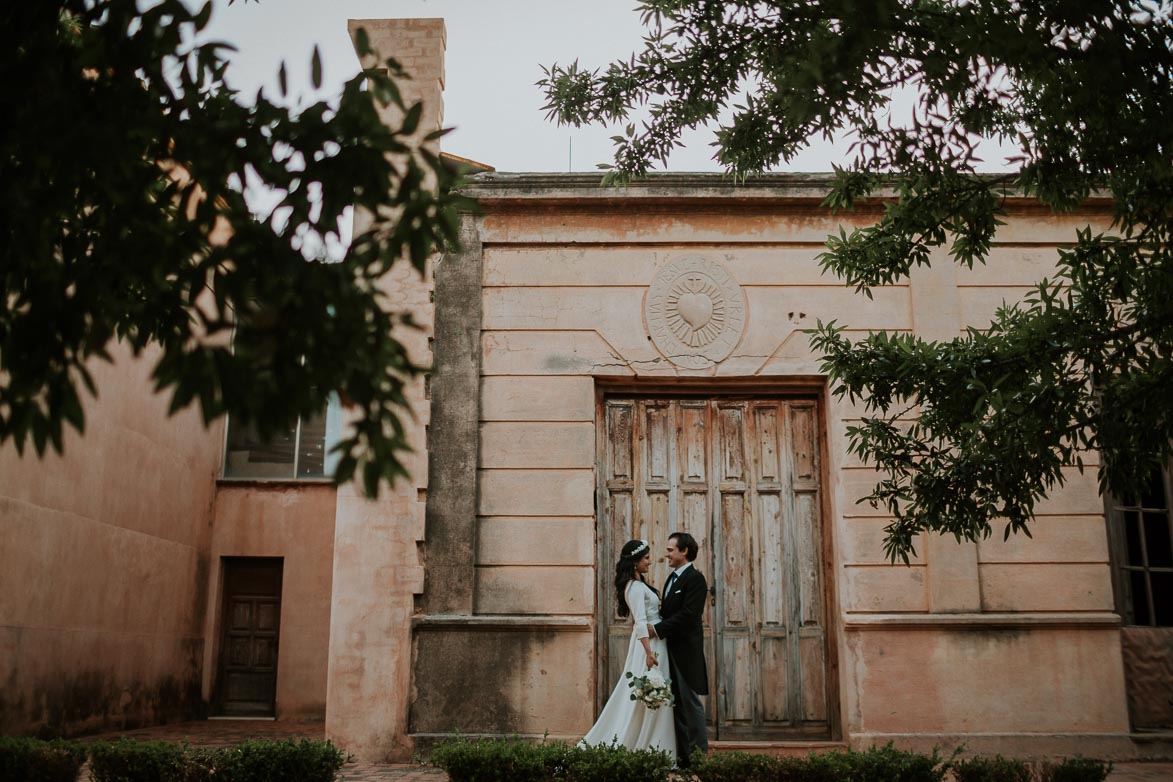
(695, 312)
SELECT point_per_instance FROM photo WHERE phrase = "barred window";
(1142, 538)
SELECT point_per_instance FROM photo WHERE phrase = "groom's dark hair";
(686, 543)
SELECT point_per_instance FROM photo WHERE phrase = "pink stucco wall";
(294, 521)
(104, 562)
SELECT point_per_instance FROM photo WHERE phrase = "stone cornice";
(528, 190)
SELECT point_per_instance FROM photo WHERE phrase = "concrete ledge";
(981, 620)
(1103, 746)
(580, 624)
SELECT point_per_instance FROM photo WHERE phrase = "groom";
(682, 606)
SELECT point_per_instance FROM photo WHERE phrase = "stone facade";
(949, 649)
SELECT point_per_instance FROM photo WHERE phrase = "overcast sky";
(495, 52)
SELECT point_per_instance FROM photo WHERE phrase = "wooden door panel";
(249, 645)
(766, 445)
(812, 644)
(616, 654)
(773, 589)
(241, 614)
(619, 442)
(738, 680)
(693, 447)
(268, 612)
(264, 653)
(657, 427)
(804, 447)
(808, 559)
(736, 563)
(743, 477)
(775, 690)
(620, 513)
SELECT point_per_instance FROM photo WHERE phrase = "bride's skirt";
(631, 723)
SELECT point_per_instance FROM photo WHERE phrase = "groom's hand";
(652, 630)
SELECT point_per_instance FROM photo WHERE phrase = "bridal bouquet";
(652, 689)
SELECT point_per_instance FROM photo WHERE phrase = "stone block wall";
(969, 630)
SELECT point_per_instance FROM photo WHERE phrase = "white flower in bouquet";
(651, 689)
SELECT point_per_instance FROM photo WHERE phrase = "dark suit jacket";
(682, 627)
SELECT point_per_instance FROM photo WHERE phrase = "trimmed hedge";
(1075, 770)
(33, 760)
(126, 760)
(878, 764)
(995, 769)
(499, 760)
(504, 760)
(513, 760)
(275, 761)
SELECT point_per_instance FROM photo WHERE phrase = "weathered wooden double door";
(742, 475)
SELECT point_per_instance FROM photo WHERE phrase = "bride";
(624, 721)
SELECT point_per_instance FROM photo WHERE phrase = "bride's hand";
(652, 661)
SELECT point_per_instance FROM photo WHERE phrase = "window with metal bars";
(1142, 545)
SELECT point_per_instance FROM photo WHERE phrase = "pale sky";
(495, 52)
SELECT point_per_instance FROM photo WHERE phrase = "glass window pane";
(1156, 538)
(248, 456)
(1163, 598)
(1154, 495)
(1132, 536)
(1140, 598)
(311, 450)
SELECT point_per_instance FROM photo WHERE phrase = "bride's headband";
(643, 546)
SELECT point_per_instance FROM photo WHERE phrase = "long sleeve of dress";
(635, 595)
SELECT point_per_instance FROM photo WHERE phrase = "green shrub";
(501, 760)
(995, 769)
(744, 767)
(888, 764)
(127, 760)
(253, 761)
(878, 764)
(1075, 770)
(616, 764)
(278, 761)
(29, 760)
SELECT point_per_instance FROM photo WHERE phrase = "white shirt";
(676, 573)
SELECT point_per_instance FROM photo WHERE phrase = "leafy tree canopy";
(968, 432)
(121, 151)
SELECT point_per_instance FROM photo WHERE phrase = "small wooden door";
(250, 618)
(743, 477)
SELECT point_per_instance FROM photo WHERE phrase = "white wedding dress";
(624, 721)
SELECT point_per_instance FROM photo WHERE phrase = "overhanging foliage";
(122, 152)
(1085, 363)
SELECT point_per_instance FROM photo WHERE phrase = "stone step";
(1153, 745)
(795, 749)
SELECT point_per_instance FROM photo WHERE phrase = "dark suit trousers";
(689, 717)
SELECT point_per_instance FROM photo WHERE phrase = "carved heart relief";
(695, 308)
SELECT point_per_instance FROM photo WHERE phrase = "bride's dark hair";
(632, 552)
